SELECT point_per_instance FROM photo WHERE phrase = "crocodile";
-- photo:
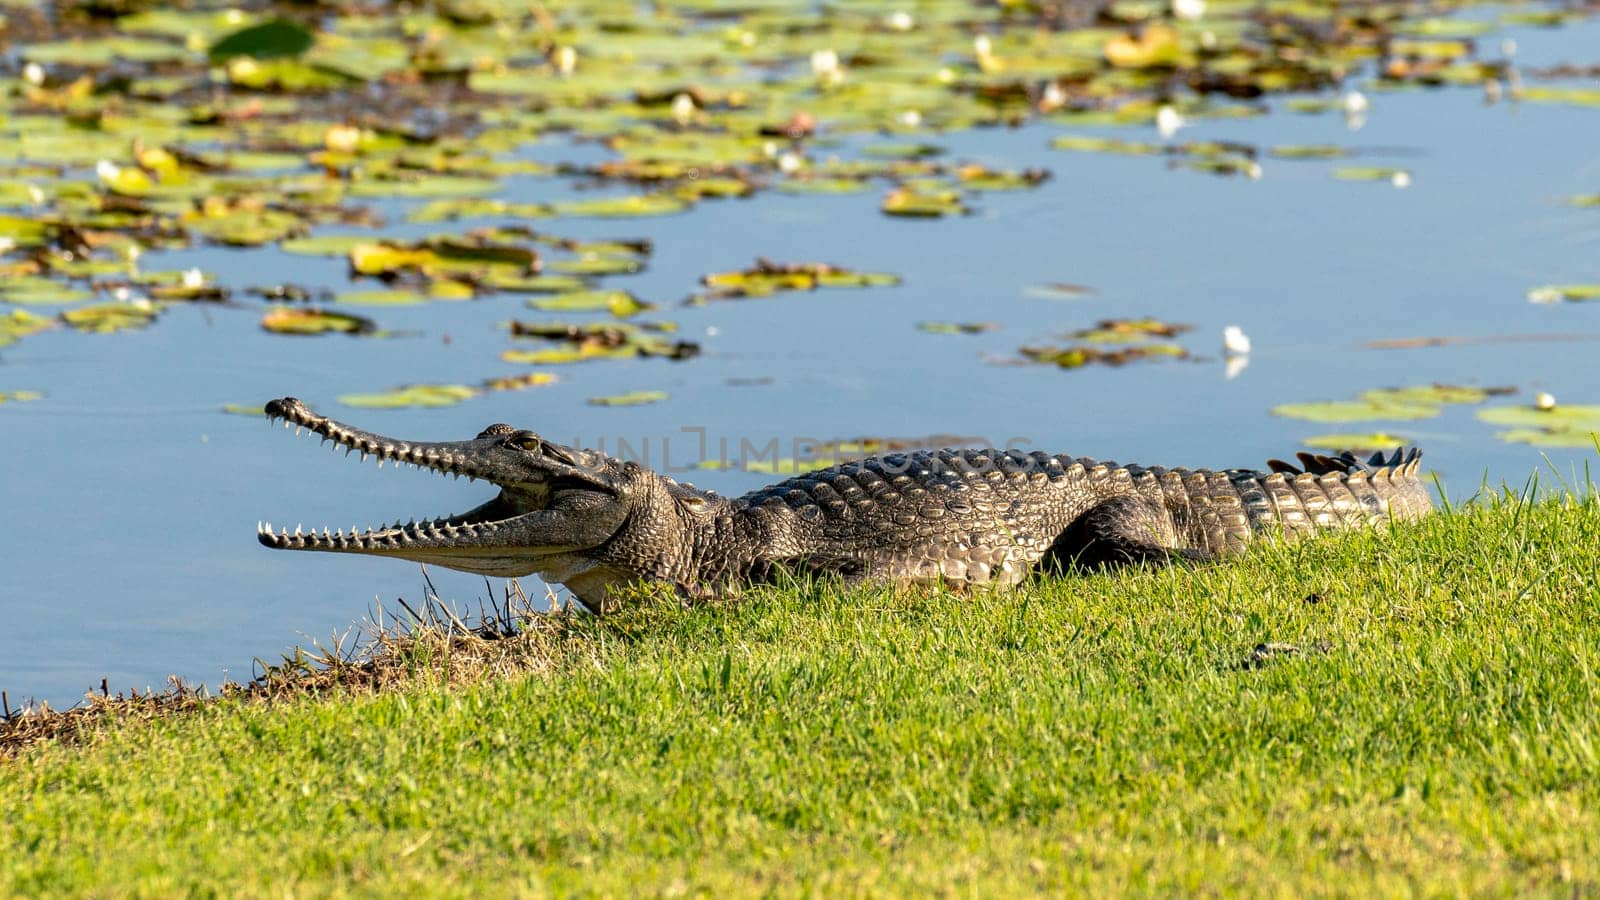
(959, 517)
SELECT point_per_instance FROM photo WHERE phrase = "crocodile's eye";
(531, 444)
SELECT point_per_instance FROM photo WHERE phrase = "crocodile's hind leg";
(1119, 531)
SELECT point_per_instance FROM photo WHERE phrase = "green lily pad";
(1569, 95)
(1423, 394)
(1129, 331)
(1059, 290)
(449, 210)
(300, 320)
(618, 303)
(536, 284)
(520, 382)
(413, 395)
(243, 409)
(1559, 417)
(381, 298)
(38, 291)
(325, 245)
(1371, 173)
(1552, 437)
(1355, 411)
(19, 396)
(418, 186)
(108, 317)
(1308, 151)
(570, 354)
(923, 203)
(1363, 440)
(1556, 293)
(632, 398)
(19, 323)
(957, 327)
(1090, 144)
(624, 207)
(595, 264)
(1585, 200)
(269, 40)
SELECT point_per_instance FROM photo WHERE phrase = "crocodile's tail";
(1394, 480)
(1404, 461)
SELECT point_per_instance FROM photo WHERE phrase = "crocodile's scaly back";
(595, 523)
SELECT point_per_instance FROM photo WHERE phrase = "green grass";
(1438, 732)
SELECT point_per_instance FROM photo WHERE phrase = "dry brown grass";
(431, 644)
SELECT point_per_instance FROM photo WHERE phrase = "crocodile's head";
(544, 487)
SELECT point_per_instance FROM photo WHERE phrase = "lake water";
(132, 501)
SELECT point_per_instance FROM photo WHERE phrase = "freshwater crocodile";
(595, 523)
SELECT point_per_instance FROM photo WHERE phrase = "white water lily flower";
(682, 109)
(33, 73)
(790, 163)
(194, 278)
(107, 170)
(1235, 342)
(899, 20)
(565, 60)
(910, 119)
(7, 244)
(1168, 121)
(824, 63)
(1188, 10)
(1355, 102)
(1401, 179)
(1544, 400)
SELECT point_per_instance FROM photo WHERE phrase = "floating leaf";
(325, 245)
(1556, 293)
(1436, 394)
(418, 186)
(1155, 45)
(1059, 290)
(520, 382)
(536, 284)
(923, 203)
(36, 291)
(1127, 331)
(19, 323)
(957, 327)
(1370, 173)
(632, 398)
(618, 303)
(240, 409)
(1089, 144)
(561, 355)
(767, 277)
(109, 317)
(19, 396)
(1568, 95)
(413, 395)
(269, 40)
(303, 320)
(1561, 416)
(628, 206)
(1368, 440)
(380, 298)
(1308, 151)
(1355, 411)
(1077, 357)
(595, 264)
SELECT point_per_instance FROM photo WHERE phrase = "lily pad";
(632, 398)
(618, 303)
(1355, 411)
(413, 395)
(1556, 293)
(924, 203)
(624, 207)
(1559, 417)
(244, 409)
(269, 40)
(520, 382)
(957, 327)
(301, 320)
(1364, 440)
(109, 317)
(325, 245)
(19, 396)
(19, 323)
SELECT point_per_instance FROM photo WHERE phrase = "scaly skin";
(596, 524)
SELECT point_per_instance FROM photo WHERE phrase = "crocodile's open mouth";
(518, 462)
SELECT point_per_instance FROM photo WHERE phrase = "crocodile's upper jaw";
(485, 540)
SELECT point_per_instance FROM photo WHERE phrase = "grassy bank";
(1415, 710)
